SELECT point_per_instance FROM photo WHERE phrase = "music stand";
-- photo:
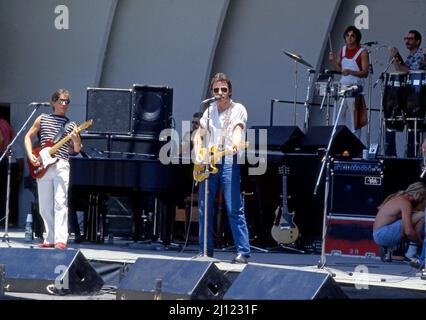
(9, 152)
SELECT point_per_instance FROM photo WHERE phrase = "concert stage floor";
(359, 277)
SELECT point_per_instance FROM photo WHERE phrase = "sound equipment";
(152, 108)
(32, 270)
(110, 109)
(268, 283)
(180, 279)
(279, 138)
(351, 236)
(318, 137)
(135, 146)
(356, 187)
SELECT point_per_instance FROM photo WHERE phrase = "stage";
(357, 277)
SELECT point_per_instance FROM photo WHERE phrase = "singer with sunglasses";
(416, 60)
(53, 185)
(223, 125)
(353, 63)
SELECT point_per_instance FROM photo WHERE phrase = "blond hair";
(412, 189)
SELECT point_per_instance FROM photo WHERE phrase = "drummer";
(352, 62)
(415, 61)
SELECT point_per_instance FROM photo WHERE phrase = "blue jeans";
(229, 177)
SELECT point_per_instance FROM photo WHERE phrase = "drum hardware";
(382, 120)
(306, 104)
(297, 59)
(327, 96)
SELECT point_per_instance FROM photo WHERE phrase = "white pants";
(53, 201)
(346, 117)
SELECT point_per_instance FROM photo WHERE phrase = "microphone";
(212, 99)
(369, 44)
(350, 89)
(43, 104)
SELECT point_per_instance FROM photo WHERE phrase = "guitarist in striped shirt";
(53, 185)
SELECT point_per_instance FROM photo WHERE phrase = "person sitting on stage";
(53, 185)
(400, 217)
(352, 62)
(225, 121)
(416, 60)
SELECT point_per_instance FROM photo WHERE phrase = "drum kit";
(403, 97)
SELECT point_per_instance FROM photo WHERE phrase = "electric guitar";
(199, 172)
(284, 229)
(46, 154)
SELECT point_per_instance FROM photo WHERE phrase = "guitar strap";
(61, 131)
(225, 126)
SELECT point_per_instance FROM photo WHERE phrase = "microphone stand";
(206, 189)
(325, 161)
(370, 73)
(9, 152)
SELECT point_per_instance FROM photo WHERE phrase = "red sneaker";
(46, 245)
(60, 245)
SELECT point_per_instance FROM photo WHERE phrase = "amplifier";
(357, 187)
(374, 167)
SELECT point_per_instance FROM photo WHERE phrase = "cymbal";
(297, 58)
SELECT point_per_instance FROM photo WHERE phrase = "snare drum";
(321, 88)
(394, 100)
(415, 91)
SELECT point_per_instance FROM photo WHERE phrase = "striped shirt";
(50, 125)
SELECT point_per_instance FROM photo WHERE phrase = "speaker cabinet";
(110, 109)
(152, 108)
(318, 137)
(356, 187)
(32, 270)
(180, 279)
(267, 283)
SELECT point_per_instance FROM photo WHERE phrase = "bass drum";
(415, 91)
(394, 100)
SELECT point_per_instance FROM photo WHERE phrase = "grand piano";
(94, 179)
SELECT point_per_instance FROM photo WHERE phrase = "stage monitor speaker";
(280, 138)
(180, 279)
(32, 270)
(110, 110)
(268, 283)
(318, 137)
(152, 108)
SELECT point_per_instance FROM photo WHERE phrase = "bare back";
(392, 211)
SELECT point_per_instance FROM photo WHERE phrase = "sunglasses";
(409, 38)
(224, 90)
(64, 101)
(195, 122)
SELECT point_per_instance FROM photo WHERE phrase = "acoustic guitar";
(46, 155)
(284, 230)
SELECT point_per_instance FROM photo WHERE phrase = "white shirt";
(237, 115)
